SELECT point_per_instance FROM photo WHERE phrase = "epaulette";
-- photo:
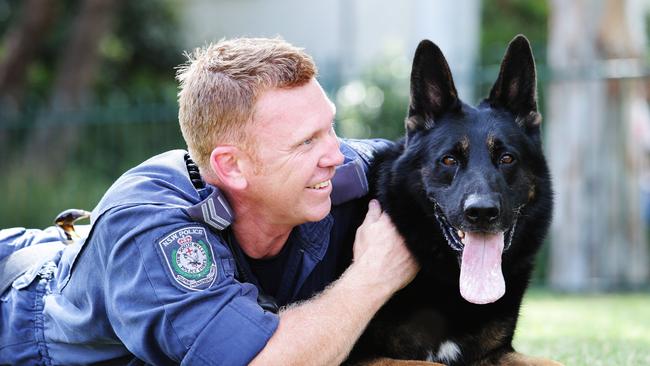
(213, 211)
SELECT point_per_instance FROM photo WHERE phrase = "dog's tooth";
(461, 234)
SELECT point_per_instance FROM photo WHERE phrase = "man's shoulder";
(160, 180)
(144, 220)
(153, 234)
(350, 180)
(365, 149)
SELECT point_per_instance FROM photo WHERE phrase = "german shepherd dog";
(469, 190)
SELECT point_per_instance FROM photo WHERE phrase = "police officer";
(189, 254)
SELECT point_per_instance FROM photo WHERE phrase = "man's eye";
(308, 141)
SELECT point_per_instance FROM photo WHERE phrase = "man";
(181, 267)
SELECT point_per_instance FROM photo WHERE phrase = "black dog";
(470, 191)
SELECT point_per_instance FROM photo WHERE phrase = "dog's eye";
(449, 160)
(506, 159)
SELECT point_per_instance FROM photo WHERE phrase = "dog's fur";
(479, 170)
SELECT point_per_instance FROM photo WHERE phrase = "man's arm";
(322, 331)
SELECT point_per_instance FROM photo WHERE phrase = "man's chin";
(319, 212)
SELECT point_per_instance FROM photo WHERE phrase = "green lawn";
(589, 330)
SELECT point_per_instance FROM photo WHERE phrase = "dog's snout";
(481, 209)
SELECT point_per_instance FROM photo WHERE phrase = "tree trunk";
(21, 45)
(22, 42)
(56, 133)
(597, 122)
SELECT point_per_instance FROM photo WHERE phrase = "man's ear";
(226, 163)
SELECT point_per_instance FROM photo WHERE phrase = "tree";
(597, 118)
(72, 84)
(22, 43)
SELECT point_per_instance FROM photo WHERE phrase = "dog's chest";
(447, 352)
(421, 334)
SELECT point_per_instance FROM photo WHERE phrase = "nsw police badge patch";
(190, 258)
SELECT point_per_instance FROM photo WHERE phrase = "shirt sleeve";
(171, 296)
(17, 238)
(351, 178)
(365, 150)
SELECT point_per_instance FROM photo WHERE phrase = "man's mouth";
(481, 279)
(321, 185)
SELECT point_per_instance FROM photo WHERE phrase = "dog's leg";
(392, 362)
(518, 359)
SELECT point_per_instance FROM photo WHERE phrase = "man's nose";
(333, 155)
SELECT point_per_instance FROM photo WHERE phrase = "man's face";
(296, 152)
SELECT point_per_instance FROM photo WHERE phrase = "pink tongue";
(481, 279)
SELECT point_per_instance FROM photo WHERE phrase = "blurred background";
(87, 90)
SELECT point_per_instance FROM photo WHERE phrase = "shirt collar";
(314, 237)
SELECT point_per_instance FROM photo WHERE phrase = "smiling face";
(296, 153)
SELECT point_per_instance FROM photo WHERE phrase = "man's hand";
(322, 330)
(381, 252)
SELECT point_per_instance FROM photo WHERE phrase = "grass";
(576, 330)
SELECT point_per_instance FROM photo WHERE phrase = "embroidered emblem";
(190, 258)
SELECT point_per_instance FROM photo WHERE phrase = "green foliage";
(140, 54)
(503, 19)
(107, 148)
(130, 114)
(375, 105)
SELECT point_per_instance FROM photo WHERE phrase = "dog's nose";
(481, 209)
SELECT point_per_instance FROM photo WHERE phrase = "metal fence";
(108, 141)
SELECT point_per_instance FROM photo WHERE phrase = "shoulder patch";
(189, 257)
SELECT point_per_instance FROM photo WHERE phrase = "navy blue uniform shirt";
(155, 281)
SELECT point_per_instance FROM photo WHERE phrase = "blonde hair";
(220, 83)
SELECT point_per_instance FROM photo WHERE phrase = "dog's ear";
(432, 88)
(516, 87)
